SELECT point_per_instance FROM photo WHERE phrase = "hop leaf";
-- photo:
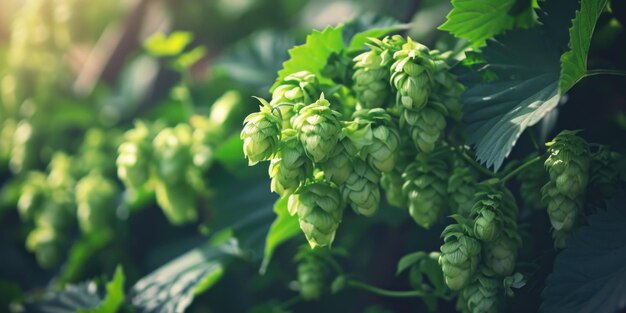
(320, 208)
(318, 128)
(261, 134)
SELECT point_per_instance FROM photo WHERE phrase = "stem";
(514, 172)
(385, 292)
(332, 263)
(476, 165)
(605, 72)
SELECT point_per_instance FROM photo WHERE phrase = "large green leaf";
(478, 20)
(313, 54)
(574, 62)
(590, 274)
(525, 65)
(172, 287)
(84, 297)
(283, 228)
(254, 61)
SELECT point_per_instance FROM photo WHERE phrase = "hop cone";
(411, 75)
(312, 278)
(392, 184)
(381, 153)
(361, 189)
(605, 170)
(320, 208)
(172, 153)
(339, 165)
(425, 189)
(459, 258)
(261, 134)
(318, 128)
(568, 169)
(134, 155)
(483, 295)
(531, 180)
(461, 189)
(500, 255)
(291, 166)
(95, 195)
(425, 126)
(45, 242)
(371, 74)
(177, 201)
(446, 89)
(297, 88)
(33, 195)
(568, 163)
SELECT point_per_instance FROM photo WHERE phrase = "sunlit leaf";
(478, 20)
(114, 295)
(163, 45)
(356, 32)
(313, 54)
(574, 62)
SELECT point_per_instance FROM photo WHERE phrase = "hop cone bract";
(361, 189)
(460, 255)
(318, 128)
(261, 134)
(425, 189)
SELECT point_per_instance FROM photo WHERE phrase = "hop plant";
(339, 165)
(462, 188)
(425, 189)
(568, 170)
(500, 255)
(361, 189)
(261, 134)
(483, 295)
(171, 153)
(391, 182)
(460, 256)
(381, 153)
(178, 202)
(134, 156)
(605, 169)
(95, 195)
(34, 193)
(424, 126)
(320, 208)
(318, 128)
(291, 165)
(312, 276)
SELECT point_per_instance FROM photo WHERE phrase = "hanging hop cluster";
(568, 169)
(531, 180)
(480, 250)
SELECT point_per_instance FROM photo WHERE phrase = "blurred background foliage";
(77, 75)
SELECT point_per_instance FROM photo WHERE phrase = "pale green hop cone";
(261, 134)
(460, 255)
(361, 190)
(95, 198)
(318, 128)
(425, 189)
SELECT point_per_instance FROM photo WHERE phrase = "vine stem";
(605, 72)
(291, 302)
(514, 172)
(473, 162)
(385, 292)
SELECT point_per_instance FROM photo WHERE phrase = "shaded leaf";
(114, 295)
(409, 260)
(313, 54)
(356, 32)
(172, 287)
(283, 228)
(478, 20)
(254, 61)
(590, 274)
(574, 62)
(526, 67)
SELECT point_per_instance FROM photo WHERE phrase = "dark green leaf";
(283, 228)
(172, 287)
(526, 65)
(72, 299)
(254, 61)
(313, 54)
(590, 274)
(356, 32)
(574, 62)
(556, 17)
(80, 253)
(409, 260)
(478, 20)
